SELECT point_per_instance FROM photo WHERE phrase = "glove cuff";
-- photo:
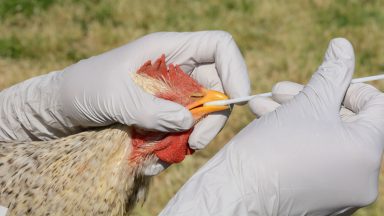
(30, 110)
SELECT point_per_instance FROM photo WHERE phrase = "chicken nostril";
(197, 95)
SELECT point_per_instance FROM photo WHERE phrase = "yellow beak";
(198, 109)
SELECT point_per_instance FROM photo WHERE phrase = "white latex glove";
(302, 158)
(99, 91)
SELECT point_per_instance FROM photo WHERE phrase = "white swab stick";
(368, 78)
(269, 94)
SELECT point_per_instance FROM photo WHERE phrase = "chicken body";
(85, 174)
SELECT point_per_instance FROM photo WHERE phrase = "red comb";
(173, 75)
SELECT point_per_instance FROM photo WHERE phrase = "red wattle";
(170, 148)
(176, 148)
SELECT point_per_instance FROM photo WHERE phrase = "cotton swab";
(269, 94)
(368, 78)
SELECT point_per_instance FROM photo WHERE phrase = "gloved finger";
(152, 113)
(347, 115)
(284, 91)
(207, 129)
(326, 89)
(262, 105)
(156, 168)
(190, 49)
(210, 126)
(368, 104)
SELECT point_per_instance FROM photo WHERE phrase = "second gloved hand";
(302, 158)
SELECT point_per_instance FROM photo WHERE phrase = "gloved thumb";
(327, 87)
(262, 105)
(284, 91)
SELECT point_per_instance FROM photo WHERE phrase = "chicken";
(101, 171)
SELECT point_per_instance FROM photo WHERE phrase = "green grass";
(280, 41)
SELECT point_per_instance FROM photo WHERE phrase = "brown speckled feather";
(85, 174)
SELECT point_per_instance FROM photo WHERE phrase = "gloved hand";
(302, 158)
(99, 91)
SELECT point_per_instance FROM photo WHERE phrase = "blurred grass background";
(279, 40)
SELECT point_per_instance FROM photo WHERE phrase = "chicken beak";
(198, 109)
